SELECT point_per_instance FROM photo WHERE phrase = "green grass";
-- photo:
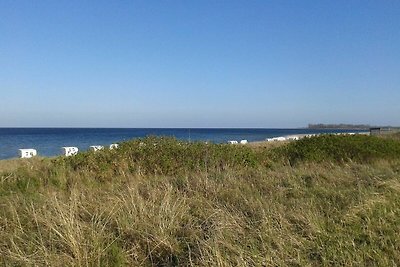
(160, 202)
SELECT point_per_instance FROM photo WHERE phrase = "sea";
(49, 141)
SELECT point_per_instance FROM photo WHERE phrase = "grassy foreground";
(322, 201)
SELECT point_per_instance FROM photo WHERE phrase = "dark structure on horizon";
(339, 126)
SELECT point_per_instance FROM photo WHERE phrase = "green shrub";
(359, 148)
(166, 156)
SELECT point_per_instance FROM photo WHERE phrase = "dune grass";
(323, 201)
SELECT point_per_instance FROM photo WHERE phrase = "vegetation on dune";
(161, 202)
(359, 148)
(395, 136)
(163, 156)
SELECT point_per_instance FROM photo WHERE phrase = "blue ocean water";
(48, 141)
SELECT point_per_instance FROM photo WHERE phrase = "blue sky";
(199, 63)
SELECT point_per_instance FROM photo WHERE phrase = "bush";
(166, 156)
(359, 148)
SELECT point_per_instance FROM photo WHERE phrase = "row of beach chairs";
(66, 151)
(234, 142)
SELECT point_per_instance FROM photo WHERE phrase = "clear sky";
(199, 63)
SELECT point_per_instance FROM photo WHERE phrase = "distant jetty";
(340, 126)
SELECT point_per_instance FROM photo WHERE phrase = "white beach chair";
(96, 148)
(69, 151)
(27, 153)
(114, 146)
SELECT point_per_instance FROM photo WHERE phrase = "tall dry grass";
(241, 208)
